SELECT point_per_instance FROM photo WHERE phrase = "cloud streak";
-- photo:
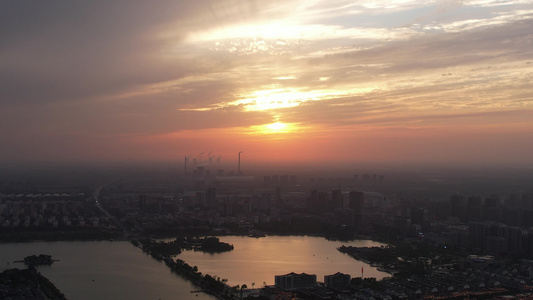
(74, 74)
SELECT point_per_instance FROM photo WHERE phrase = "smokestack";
(240, 162)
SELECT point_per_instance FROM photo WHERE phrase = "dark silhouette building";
(337, 199)
(142, 202)
(356, 203)
(295, 281)
(337, 280)
(211, 197)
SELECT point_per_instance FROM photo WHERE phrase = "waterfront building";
(295, 281)
(337, 280)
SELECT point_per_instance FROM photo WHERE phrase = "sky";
(282, 81)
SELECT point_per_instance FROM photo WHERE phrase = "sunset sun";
(278, 126)
(327, 77)
(239, 149)
(275, 128)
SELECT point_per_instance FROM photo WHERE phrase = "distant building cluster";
(495, 225)
(280, 180)
(24, 211)
(235, 200)
(479, 277)
(221, 206)
(361, 181)
(226, 201)
(484, 228)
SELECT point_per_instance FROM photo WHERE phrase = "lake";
(258, 260)
(103, 270)
(118, 270)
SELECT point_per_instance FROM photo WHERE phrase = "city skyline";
(342, 81)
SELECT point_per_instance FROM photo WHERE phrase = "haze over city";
(283, 81)
(281, 149)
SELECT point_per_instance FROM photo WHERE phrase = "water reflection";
(257, 260)
(103, 270)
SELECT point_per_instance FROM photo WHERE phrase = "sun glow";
(278, 126)
(276, 99)
(275, 128)
(281, 98)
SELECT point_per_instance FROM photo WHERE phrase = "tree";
(244, 286)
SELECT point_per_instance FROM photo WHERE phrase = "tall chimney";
(240, 162)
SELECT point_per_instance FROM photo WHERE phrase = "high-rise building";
(478, 233)
(284, 179)
(474, 212)
(324, 205)
(211, 197)
(142, 202)
(337, 280)
(279, 199)
(293, 179)
(295, 281)
(337, 199)
(492, 210)
(356, 203)
(266, 200)
(419, 216)
(200, 171)
(312, 205)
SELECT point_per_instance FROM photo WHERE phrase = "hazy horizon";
(399, 180)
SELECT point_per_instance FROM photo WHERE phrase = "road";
(96, 198)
